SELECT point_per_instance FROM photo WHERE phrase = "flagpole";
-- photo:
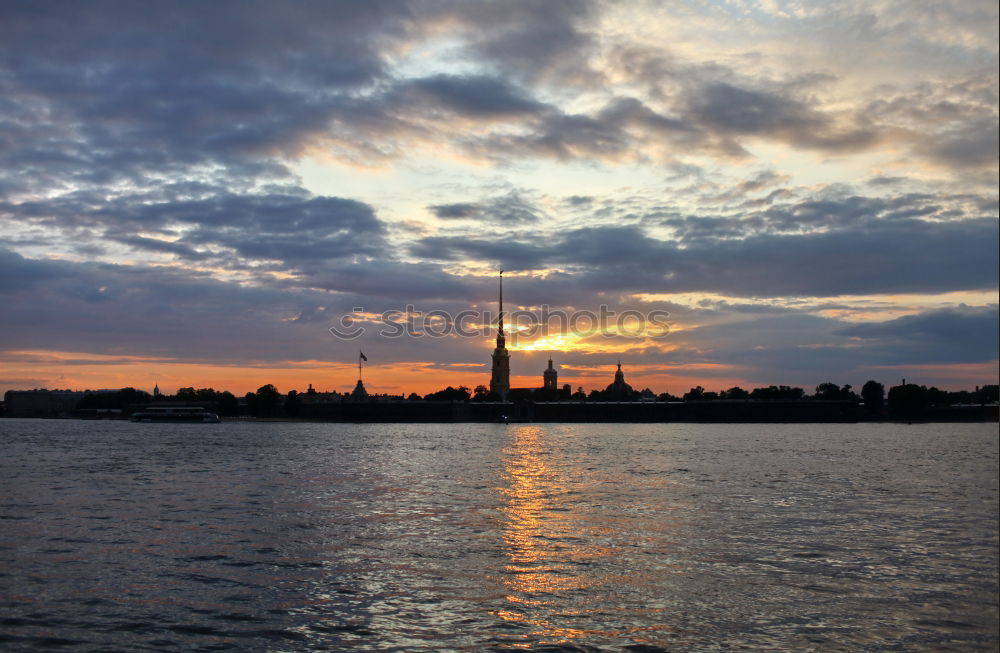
(359, 364)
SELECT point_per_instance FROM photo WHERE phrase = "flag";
(363, 357)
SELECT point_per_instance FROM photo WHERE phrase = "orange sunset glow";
(745, 202)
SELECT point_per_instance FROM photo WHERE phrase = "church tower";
(549, 377)
(500, 377)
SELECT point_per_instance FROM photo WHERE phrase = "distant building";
(359, 393)
(41, 403)
(156, 391)
(550, 377)
(315, 397)
(618, 388)
(500, 372)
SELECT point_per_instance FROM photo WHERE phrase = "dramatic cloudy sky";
(193, 193)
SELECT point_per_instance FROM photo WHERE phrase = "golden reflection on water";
(544, 540)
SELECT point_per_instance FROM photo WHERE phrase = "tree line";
(905, 400)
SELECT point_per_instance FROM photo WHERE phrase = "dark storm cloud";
(156, 311)
(830, 211)
(972, 144)
(800, 348)
(744, 111)
(161, 246)
(528, 40)
(558, 136)
(456, 248)
(510, 209)
(108, 92)
(292, 228)
(974, 324)
(117, 91)
(952, 122)
(703, 116)
(459, 211)
(393, 280)
(474, 96)
(963, 335)
(18, 273)
(903, 255)
(731, 110)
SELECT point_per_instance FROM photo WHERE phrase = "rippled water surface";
(680, 537)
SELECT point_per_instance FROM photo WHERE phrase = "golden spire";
(501, 301)
(501, 341)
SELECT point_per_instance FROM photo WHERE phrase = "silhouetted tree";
(480, 393)
(907, 401)
(265, 401)
(461, 393)
(735, 392)
(579, 394)
(827, 391)
(293, 403)
(206, 394)
(873, 394)
(185, 394)
(777, 392)
(413, 397)
(229, 405)
(666, 396)
(130, 395)
(696, 393)
(831, 392)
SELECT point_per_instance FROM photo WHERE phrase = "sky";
(757, 193)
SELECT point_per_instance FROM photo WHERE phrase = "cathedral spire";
(500, 377)
(501, 338)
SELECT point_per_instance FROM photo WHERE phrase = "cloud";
(887, 256)
(973, 144)
(508, 209)
(172, 135)
(476, 96)
(533, 41)
(954, 335)
(293, 228)
(459, 211)
(109, 93)
(19, 274)
(951, 122)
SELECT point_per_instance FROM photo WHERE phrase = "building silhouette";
(619, 390)
(359, 393)
(500, 373)
(550, 377)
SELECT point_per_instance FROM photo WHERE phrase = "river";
(472, 537)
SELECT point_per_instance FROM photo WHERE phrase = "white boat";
(185, 414)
